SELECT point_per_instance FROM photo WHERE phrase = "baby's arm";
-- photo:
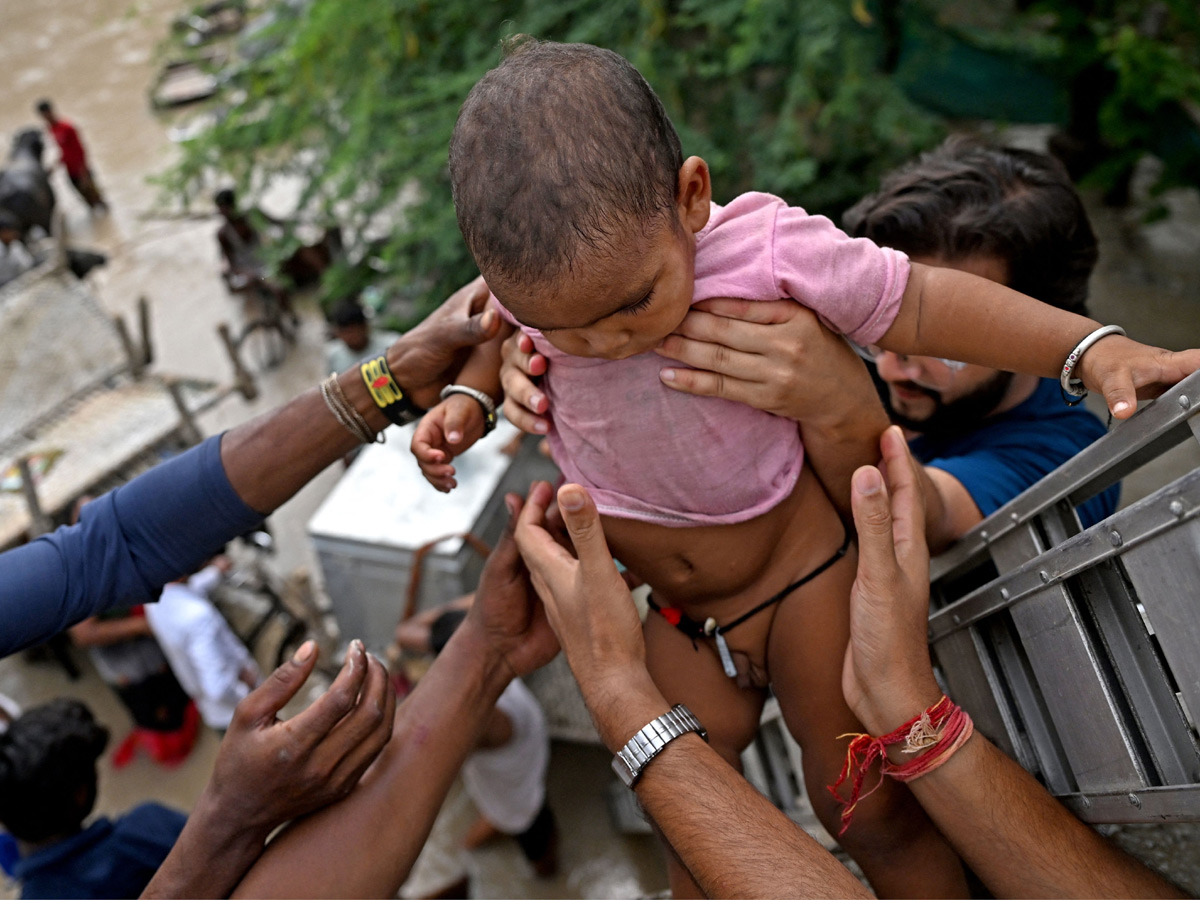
(455, 424)
(951, 314)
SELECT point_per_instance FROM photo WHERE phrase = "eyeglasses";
(928, 371)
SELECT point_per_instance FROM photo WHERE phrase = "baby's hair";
(47, 757)
(967, 198)
(562, 148)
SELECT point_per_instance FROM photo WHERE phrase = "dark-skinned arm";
(168, 521)
(365, 845)
(268, 772)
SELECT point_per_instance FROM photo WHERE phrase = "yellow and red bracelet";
(935, 735)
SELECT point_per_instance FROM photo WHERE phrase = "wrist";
(221, 828)
(481, 652)
(356, 393)
(892, 703)
(622, 704)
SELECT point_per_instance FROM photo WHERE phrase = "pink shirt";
(647, 452)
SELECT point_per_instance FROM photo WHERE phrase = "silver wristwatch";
(489, 407)
(649, 742)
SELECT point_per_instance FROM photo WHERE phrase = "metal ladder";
(1078, 651)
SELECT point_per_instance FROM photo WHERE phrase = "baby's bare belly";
(719, 570)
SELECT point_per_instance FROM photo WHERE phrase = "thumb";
(483, 326)
(458, 416)
(1120, 394)
(873, 520)
(583, 524)
(260, 705)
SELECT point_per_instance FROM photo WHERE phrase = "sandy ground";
(96, 60)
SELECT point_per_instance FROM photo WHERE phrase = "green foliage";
(357, 101)
(1133, 66)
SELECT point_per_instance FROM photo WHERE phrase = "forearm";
(365, 845)
(482, 369)
(837, 445)
(955, 315)
(210, 856)
(269, 458)
(698, 800)
(1057, 855)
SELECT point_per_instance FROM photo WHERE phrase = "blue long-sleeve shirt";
(127, 545)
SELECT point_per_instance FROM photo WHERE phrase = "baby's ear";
(693, 195)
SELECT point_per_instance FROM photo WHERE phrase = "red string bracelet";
(935, 734)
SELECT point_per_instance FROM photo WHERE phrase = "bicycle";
(270, 330)
(272, 616)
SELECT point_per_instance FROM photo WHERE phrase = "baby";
(595, 236)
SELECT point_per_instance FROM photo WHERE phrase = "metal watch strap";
(386, 394)
(486, 402)
(631, 761)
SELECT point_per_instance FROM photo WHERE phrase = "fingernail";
(541, 427)
(1120, 406)
(571, 500)
(667, 374)
(535, 400)
(454, 437)
(867, 481)
(511, 504)
(303, 652)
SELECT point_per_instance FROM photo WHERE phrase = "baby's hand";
(1125, 371)
(450, 428)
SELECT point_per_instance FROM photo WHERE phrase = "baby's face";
(612, 308)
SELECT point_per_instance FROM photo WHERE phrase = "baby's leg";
(899, 849)
(692, 675)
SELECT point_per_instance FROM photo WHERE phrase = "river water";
(96, 59)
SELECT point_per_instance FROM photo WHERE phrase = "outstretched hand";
(589, 607)
(269, 771)
(431, 354)
(887, 676)
(505, 612)
(1126, 371)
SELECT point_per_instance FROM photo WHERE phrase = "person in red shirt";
(74, 158)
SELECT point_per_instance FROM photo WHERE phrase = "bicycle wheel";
(265, 343)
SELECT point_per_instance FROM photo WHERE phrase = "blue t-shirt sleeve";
(127, 545)
(996, 473)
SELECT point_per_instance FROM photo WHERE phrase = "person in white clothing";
(212, 665)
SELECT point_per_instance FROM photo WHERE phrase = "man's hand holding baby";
(450, 428)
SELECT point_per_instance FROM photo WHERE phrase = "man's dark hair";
(443, 629)
(45, 107)
(967, 199)
(562, 148)
(225, 197)
(48, 770)
(347, 312)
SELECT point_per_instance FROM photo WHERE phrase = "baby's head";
(575, 200)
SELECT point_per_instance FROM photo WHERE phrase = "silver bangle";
(486, 402)
(650, 740)
(1074, 386)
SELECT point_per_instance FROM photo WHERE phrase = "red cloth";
(74, 158)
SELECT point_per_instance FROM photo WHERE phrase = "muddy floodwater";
(97, 59)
